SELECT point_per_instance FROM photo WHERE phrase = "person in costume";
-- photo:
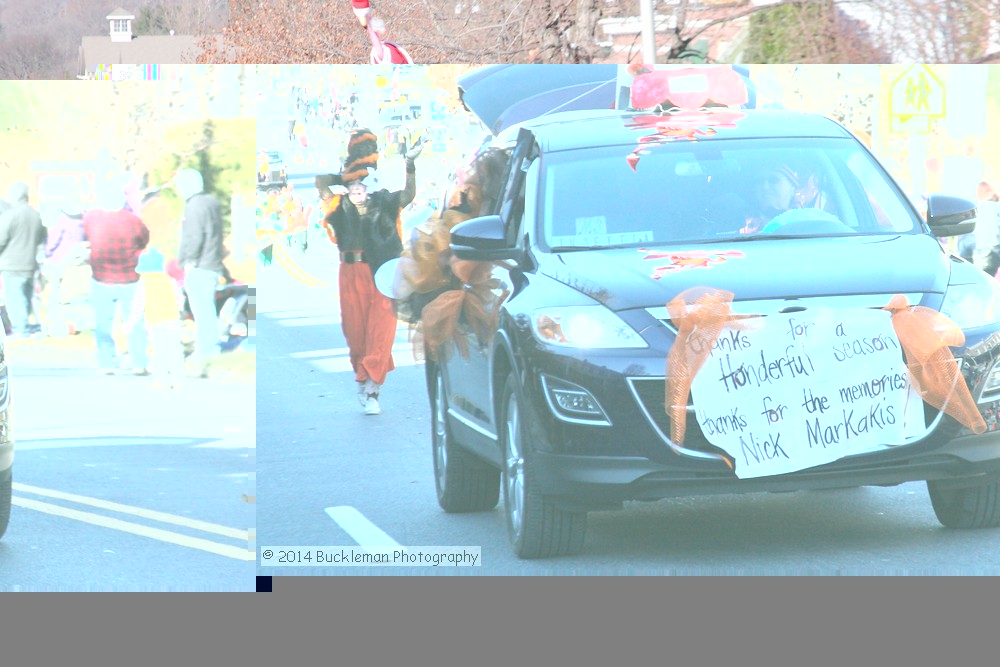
(382, 51)
(365, 224)
(363, 10)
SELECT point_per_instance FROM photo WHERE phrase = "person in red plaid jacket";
(116, 238)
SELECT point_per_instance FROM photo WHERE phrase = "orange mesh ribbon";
(699, 315)
(926, 336)
(474, 302)
(424, 262)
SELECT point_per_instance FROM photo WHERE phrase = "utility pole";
(648, 32)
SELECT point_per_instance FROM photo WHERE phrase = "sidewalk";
(55, 385)
(60, 400)
(80, 352)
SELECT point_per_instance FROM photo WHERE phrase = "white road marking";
(343, 364)
(226, 550)
(312, 321)
(334, 352)
(361, 530)
(345, 351)
(162, 517)
(95, 435)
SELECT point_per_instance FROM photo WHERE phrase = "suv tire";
(463, 482)
(537, 527)
(972, 506)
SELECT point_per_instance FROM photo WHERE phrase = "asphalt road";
(331, 476)
(119, 486)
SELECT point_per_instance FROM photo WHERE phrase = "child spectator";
(159, 301)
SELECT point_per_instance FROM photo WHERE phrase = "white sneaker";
(362, 394)
(371, 406)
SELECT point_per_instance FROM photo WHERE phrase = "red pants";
(369, 323)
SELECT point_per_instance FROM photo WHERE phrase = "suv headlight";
(973, 305)
(583, 327)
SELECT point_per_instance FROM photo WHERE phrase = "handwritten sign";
(806, 388)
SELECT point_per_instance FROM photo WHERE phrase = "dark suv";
(6, 441)
(601, 220)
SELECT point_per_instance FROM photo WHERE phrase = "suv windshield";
(705, 191)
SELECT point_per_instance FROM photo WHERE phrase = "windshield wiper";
(756, 237)
(577, 248)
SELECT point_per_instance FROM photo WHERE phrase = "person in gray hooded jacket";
(21, 236)
(200, 256)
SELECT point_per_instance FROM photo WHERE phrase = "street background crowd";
(136, 181)
(321, 107)
(131, 203)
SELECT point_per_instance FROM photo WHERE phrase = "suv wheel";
(5, 501)
(973, 506)
(536, 526)
(464, 483)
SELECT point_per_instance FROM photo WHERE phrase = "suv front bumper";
(604, 482)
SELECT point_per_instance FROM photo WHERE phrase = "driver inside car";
(780, 188)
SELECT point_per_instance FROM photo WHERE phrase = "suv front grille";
(650, 393)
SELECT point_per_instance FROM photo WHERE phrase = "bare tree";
(829, 31)
(431, 30)
(821, 31)
(196, 17)
(41, 40)
(29, 57)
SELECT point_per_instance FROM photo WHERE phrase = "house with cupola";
(122, 46)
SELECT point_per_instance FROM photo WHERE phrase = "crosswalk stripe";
(361, 530)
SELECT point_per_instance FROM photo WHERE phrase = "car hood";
(757, 270)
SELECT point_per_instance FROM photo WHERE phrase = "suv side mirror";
(481, 239)
(950, 216)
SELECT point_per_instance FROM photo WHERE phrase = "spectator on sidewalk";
(159, 305)
(200, 256)
(64, 250)
(21, 236)
(116, 238)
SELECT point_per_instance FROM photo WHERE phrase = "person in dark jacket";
(21, 236)
(200, 256)
(365, 226)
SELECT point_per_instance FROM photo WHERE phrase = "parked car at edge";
(274, 176)
(605, 216)
(6, 441)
